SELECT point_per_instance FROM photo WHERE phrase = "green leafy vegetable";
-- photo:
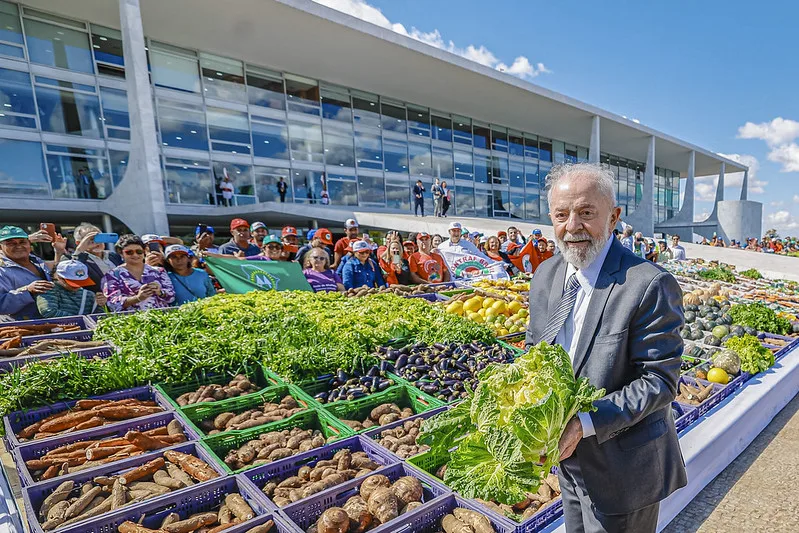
(752, 273)
(717, 273)
(760, 317)
(513, 424)
(754, 356)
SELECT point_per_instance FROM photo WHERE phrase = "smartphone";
(48, 228)
(105, 238)
(153, 246)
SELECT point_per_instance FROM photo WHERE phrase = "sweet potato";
(193, 466)
(67, 421)
(144, 442)
(125, 412)
(142, 471)
(239, 507)
(478, 522)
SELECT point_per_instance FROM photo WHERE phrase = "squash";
(691, 299)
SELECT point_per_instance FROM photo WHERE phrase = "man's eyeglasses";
(133, 252)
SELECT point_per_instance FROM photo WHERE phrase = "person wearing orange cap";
(426, 266)
(503, 237)
(322, 238)
(69, 295)
(409, 248)
(240, 241)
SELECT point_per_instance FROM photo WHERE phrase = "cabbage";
(728, 361)
(512, 423)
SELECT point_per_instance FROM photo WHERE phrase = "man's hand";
(39, 287)
(40, 236)
(571, 437)
(86, 243)
(238, 254)
(100, 299)
(155, 259)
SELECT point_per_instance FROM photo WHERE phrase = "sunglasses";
(317, 258)
(274, 247)
(133, 252)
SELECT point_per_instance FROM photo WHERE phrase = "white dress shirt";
(569, 334)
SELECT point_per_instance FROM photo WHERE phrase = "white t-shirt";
(227, 189)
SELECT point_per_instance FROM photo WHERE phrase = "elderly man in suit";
(618, 316)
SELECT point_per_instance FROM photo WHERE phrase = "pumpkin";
(691, 299)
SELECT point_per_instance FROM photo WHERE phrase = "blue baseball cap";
(310, 234)
(209, 229)
(537, 232)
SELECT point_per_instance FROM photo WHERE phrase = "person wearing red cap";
(340, 250)
(426, 266)
(322, 238)
(69, 295)
(240, 230)
(289, 238)
(409, 248)
(503, 237)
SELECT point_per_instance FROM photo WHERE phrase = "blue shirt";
(18, 303)
(356, 274)
(191, 288)
(230, 248)
(344, 260)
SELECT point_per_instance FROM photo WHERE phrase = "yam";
(478, 522)
(333, 520)
(372, 483)
(266, 527)
(76, 509)
(142, 471)
(191, 524)
(175, 472)
(358, 511)
(383, 504)
(162, 478)
(193, 466)
(407, 489)
(450, 524)
(60, 494)
(171, 518)
(239, 507)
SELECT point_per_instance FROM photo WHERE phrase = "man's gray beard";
(582, 258)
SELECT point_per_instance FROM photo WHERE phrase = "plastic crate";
(78, 320)
(685, 415)
(304, 513)
(37, 448)
(88, 353)
(220, 445)
(504, 342)
(280, 470)
(427, 519)
(323, 384)
(186, 502)
(374, 433)
(196, 413)
(402, 395)
(19, 420)
(712, 401)
(255, 374)
(33, 496)
(82, 335)
(430, 296)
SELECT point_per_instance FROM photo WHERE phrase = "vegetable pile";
(351, 386)
(466, 521)
(401, 440)
(380, 416)
(249, 418)
(694, 395)
(238, 386)
(718, 273)
(752, 273)
(47, 346)
(273, 446)
(754, 356)
(760, 317)
(513, 424)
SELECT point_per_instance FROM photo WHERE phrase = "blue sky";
(714, 73)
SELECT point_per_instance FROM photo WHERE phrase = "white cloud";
(786, 155)
(782, 220)
(796, 198)
(778, 131)
(699, 217)
(521, 67)
(777, 204)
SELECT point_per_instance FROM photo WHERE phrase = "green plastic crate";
(402, 395)
(428, 462)
(456, 292)
(315, 386)
(194, 414)
(514, 349)
(258, 375)
(219, 445)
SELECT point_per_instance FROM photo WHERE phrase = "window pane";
(223, 78)
(393, 117)
(464, 201)
(229, 126)
(174, 70)
(442, 128)
(336, 104)
(366, 110)
(339, 148)
(442, 164)
(482, 203)
(115, 107)
(107, 46)
(531, 175)
(182, 125)
(16, 93)
(22, 169)
(396, 155)
(501, 203)
(369, 150)
(421, 160)
(531, 207)
(545, 150)
(189, 184)
(265, 89)
(481, 135)
(515, 143)
(270, 138)
(307, 186)
(531, 146)
(119, 165)
(241, 176)
(78, 176)
(306, 142)
(463, 166)
(266, 180)
(12, 51)
(499, 139)
(341, 189)
(303, 95)
(68, 112)
(571, 154)
(482, 169)
(517, 206)
(398, 196)
(371, 190)
(418, 121)
(516, 174)
(10, 28)
(58, 47)
(559, 150)
(499, 170)
(462, 129)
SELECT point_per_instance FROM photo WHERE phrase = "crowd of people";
(769, 244)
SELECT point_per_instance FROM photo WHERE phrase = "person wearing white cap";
(456, 247)
(362, 271)
(190, 284)
(69, 297)
(340, 249)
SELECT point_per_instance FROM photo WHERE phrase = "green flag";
(239, 276)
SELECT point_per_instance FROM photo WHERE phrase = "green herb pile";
(298, 335)
(752, 273)
(512, 423)
(717, 274)
(760, 317)
(754, 356)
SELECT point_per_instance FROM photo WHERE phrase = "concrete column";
(720, 188)
(745, 186)
(594, 148)
(643, 218)
(107, 226)
(688, 197)
(139, 199)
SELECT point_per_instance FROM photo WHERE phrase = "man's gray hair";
(83, 229)
(601, 174)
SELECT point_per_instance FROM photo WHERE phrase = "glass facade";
(218, 116)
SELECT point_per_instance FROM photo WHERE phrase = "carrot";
(193, 466)
(147, 469)
(65, 422)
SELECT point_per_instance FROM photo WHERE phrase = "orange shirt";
(428, 267)
(341, 246)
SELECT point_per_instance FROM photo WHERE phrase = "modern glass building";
(66, 128)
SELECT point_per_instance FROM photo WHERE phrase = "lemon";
(472, 304)
(488, 302)
(456, 308)
(481, 312)
(490, 313)
(500, 307)
(524, 313)
(514, 307)
(718, 375)
(502, 331)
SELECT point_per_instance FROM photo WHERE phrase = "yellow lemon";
(718, 375)
(455, 308)
(500, 307)
(490, 313)
(472, 304)
(481, 312)
(514, 307)
(488, 302)
(502, 331)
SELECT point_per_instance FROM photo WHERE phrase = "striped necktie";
(563, 311)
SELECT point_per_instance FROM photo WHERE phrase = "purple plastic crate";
(83, 335)
(34, 496)
(430, 297)
(307, 511)
(18, 420)
(712, 401)
(77, 320)
(87, 353)
(685, 415)
(37, 448)
(374, 434)
(289, 466)
(427, 519)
